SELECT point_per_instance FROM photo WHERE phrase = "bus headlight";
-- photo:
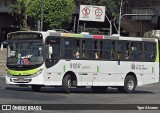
(37, 73)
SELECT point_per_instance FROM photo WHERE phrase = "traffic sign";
(92, 13)
(85, 13)
(99, 13)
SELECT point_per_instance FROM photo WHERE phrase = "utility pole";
(42, 11)
(120, 13)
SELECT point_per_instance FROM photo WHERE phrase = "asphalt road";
(148, 94)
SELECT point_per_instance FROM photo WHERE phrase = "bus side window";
(72, 47)
(136, 50)
(149, 51)
(88, 49)
(120, 50)
(113, 52)
(127, 51)
(106, 50)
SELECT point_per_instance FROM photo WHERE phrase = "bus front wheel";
(66, 84)
(36, 88)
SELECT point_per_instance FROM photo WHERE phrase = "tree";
(19, 10)
(57, 13)
(112, 8)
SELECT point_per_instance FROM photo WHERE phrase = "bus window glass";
(136, 51)
(149, 51)
(90, 49)
(52, 51)
(106, 50)
(72, 48)
(24, 53)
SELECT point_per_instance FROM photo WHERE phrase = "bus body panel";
(37, 79)
(108, 73)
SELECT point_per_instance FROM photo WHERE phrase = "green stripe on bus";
(78, 35)
(157, 52)
(97, 69)
(64, 68)
(152, 69)
(26, 72)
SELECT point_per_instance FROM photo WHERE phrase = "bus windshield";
(26, 52)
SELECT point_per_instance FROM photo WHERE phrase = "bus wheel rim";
(69, 83)
(130, 85)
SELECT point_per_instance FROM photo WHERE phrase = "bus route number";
(75, 65)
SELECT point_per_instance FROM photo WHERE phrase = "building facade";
(138, 25)
(6, 21)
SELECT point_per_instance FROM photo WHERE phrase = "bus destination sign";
(25, 36)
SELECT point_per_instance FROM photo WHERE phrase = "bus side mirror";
(4, 43)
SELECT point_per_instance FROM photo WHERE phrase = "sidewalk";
(3, 57)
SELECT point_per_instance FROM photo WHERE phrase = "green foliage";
(19, 10)
(57, 13)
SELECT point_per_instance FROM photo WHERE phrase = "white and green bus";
(67, 60)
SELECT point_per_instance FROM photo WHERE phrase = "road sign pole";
(78, 25)
(74, 28)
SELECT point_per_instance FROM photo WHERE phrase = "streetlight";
(42, 10)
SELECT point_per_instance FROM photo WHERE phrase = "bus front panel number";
(75, 65)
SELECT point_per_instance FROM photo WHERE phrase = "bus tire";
(66, 84)
(99, 89)
(36, 88)
(129, 84)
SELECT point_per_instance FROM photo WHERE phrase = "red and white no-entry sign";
(98, 12)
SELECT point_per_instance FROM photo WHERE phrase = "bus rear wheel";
(129, 85)
(99, 89)
(36, 88)
(66, 84)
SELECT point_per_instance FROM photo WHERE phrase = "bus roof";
(86, 35)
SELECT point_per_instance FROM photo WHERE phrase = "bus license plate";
(20, 79)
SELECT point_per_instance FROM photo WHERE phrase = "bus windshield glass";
(28, 52)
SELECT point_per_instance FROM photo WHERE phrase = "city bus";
(67, 60)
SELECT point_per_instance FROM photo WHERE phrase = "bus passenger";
(96, 55)
(127, 55)
(76, 54)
